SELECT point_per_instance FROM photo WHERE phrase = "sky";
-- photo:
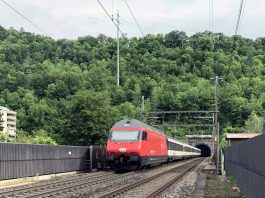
(75, 18)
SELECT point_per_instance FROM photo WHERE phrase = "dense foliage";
(66, 88)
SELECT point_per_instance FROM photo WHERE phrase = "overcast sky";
(74, 18)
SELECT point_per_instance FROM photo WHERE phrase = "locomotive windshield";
(124, 136)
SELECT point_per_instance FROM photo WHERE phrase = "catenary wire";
(134, 18)
(212, 14)
(111, 19)
(239, 16)
(242, 15)
(211, 9)
(34, 24)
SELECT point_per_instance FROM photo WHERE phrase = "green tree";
(128, 110)
(42, 137)
(38, 137)
(41, 78)
(22, 137)
(176, 39)
(3, 137)
(88, 118)
(254, 124)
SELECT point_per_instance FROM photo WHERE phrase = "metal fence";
(246, 162)
(23, 160)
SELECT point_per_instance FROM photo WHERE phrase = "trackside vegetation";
(64, 91)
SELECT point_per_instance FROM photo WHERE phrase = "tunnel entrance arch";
(205, 149)
(203, 142)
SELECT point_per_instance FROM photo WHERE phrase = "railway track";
(58, 187)
(52, 181)
(94, 184)
(153, 185)
(164, 186)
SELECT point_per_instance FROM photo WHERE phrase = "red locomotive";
(133, 144)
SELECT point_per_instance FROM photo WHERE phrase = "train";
(132, 144)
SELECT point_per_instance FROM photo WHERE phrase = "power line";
(111, 18)
(134, 18)
(239, 16)
(211, 16)
(35, 25)
(112, 9)
(118, 51)
(242, 14)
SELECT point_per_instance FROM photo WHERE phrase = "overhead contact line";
(134, 18)
(239, 16)
(111, 18)
(19, 13)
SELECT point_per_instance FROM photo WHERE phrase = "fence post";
(90, 158)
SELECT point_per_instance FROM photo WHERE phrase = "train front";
(124, 145)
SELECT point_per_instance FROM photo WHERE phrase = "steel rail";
(143, 181)
(72, 187)
(52, 183)
(61, 185)
(172, 181)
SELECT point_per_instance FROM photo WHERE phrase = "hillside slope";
(68, 87)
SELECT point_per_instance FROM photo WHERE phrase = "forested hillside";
(66, 89)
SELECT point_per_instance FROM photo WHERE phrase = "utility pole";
(217, 128)
(216, 103)
(118, 50)
(213, 134)
(142, 111)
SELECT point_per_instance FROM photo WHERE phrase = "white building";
(9, 119)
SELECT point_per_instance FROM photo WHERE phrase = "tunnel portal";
(205, 150)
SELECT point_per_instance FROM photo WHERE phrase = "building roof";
(4, 108)
(241, 135)
(8, 110)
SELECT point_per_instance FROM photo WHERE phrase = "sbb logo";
(123, 150)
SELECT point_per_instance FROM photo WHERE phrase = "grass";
(220, 187)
